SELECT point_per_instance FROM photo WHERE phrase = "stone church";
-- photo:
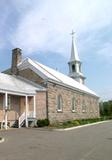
(31, 90)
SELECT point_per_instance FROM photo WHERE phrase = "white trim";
(28, 63)
(83, 111)
(74, 111)
(6, 100)
(73, 88)
(6, 105)
(26, 111)
(59, 110)
(74, 105)
(34, 106)
(16, 93)
(59, 100)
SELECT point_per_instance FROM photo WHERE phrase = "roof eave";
(73, 88)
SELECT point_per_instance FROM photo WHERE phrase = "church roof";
(16, 84)
(50, 74)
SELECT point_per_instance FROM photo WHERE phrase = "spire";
(75, 63)
(74, 52)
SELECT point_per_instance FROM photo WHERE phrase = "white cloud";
(106, 48)
(45, 25)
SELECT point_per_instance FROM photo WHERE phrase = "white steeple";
(75, 63)
(74, 52)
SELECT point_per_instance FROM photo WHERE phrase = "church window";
(59, 103)
(74, 104)
(83, 106)
(73, 68)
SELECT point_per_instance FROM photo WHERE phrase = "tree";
(106, 108)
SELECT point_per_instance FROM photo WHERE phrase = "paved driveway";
(88, 143)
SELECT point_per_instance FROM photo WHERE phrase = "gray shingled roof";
(17, 84)
(50, 74)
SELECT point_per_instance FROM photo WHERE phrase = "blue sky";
(41, 28)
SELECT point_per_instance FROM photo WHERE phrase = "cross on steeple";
(75, 63)
(72, 33)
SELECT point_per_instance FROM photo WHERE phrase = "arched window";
(74, 105)
(59, 103)
(73, 68)
(83, 106)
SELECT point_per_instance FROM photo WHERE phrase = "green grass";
(73, 123)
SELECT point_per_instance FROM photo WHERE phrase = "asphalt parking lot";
(88, 143)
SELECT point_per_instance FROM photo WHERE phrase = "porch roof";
(11, 83)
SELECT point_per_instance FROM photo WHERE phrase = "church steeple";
(74, 52)
(75, 63)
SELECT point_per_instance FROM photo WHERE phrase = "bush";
(76, 123)
(42, 122)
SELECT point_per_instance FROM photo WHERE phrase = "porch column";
(26, 112)
(6, 106)
(34, 106)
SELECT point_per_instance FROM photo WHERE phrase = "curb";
(2, 140)
(81, 126)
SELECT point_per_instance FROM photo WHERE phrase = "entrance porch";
(16, 108)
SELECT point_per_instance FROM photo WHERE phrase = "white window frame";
(83, 106)
(90, 105)
(74, 104)
(59, 103)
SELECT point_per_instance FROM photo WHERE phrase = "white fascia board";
(27, 64)
(38, 72)
(73, 88)
(17, 93)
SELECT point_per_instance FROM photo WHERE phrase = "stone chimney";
(16, 59)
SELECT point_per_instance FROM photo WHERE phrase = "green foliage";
(106, 108)
(76, 122)
(73, 123)
(42, 122)
(70, 123)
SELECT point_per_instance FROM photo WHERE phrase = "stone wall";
(91, 109)
(30, 75)
(41, 112)
(92, 105)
